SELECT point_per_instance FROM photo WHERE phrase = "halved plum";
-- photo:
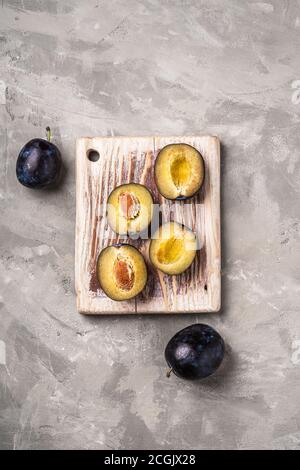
(173, 248)
(179, 171)
(129, 208)
(121, 271)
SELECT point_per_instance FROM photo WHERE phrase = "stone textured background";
(131, 67)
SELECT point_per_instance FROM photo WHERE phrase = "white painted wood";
(131, 159)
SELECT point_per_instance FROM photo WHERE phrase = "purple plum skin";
(39, 164)
(195, 352)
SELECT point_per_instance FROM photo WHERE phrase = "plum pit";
(129, 205)
(123, 273)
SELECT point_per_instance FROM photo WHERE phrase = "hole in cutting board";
(93, 155)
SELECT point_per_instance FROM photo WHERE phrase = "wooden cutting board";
(131, 159)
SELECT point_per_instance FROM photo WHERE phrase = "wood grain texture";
(131, 159)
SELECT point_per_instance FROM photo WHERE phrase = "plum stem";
(169, 372)
(48, 130)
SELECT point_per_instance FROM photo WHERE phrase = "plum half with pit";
(195, 352)
(39, 163)
(121, 271)
(129, 209)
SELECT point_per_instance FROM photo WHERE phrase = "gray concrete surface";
(230, 68)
